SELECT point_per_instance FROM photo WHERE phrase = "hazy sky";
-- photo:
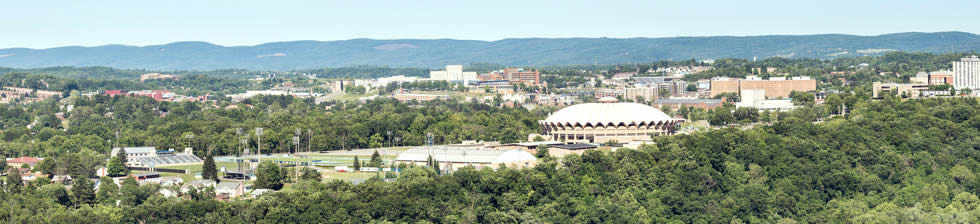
(52, 23)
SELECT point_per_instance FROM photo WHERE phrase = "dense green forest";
(888, 161)
(142, 121)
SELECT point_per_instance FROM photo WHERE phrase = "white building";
(150, 157)
(453, 73)
(230, 189)
(756, 98)
(396, 79)
(966, 73)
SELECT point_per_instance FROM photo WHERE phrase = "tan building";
(519, 75)
(774, 88)
(604, 122)
(902, 89)
(647, 93)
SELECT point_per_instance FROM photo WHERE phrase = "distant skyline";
(57, 23)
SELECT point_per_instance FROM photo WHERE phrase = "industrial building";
(604, 122)
(452, 158)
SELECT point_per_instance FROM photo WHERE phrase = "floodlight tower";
(258, 133)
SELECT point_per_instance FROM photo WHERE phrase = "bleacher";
(164, 160)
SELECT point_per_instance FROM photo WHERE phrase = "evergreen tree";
(209, 171)
(83, 191)
(375, 159)
(435, 165)
(269, 176)
(357, 164)
(108, 191)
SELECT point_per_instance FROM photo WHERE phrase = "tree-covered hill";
(888, 161)
(282, 56)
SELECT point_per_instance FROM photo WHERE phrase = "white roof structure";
(607, 114)
(465, 155)
(168, 160)
(132, 150)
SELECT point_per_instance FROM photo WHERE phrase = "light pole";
(258, 133)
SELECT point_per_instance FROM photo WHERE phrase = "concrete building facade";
(604, 122)
(647, 93)
(902, 89)
(518, 75)
(966, 73)
(453, 73)
(774, 87)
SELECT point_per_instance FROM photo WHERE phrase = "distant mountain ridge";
(435, 53)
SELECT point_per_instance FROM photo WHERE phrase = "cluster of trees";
(889, 161)
(92, 126)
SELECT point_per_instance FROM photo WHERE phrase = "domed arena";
(604, 122)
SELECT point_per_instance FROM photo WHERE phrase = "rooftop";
(603, 113)
(227, 185)
(25, 159)
(689, 101)
(130, 150)
(575, 146)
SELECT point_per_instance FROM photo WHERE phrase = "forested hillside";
(888, 161)
(285, 56)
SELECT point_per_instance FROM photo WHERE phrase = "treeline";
(365, 72)
(142, 121)
(889, 161)
(902, 64)
(192, 85)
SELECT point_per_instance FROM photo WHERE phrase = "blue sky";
(45, 24)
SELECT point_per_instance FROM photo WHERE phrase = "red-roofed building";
(20, 161)
(115, 92)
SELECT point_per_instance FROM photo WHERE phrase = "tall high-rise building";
(966, 73)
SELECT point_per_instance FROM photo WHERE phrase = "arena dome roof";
(607, 113)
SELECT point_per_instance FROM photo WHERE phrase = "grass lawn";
(350, 97)
(329, 176)
(326, 162)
